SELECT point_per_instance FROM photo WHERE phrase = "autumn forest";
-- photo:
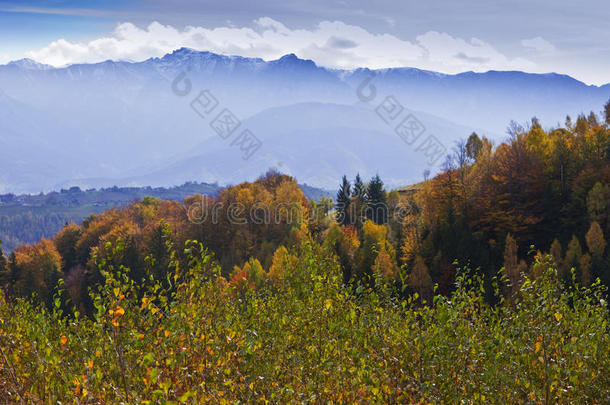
(486, 283)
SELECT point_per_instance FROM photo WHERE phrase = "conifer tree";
(359, 188)
(358, 202)
(343, 202)
(377, 208)
(607, 113)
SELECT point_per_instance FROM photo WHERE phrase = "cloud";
(539, 45)
(330, 43)
(341, 43)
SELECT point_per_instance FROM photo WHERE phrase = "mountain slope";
(316, 142)
(118, 120)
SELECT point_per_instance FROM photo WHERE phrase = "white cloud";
(330, 43)
(4, 58)
(539, 45)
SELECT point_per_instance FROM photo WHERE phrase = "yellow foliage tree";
(595, 240)
(419, 279)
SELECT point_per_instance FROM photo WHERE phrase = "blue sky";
(538, 36)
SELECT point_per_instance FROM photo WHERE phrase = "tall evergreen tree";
(358, 203)
(359, 188)
(607, 113)
(377, 207)
(343, 202)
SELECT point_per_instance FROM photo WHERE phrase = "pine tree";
(359, 188)
(343, 202)
(607, 113)
(377, 207)
(358, 202)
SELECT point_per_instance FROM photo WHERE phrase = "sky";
(447, 36)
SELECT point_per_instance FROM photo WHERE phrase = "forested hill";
(28, 218)
(541, 196)
(487, 281)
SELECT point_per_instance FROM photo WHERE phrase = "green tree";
(358, 202)
(359, 188)
(607, 112)
(343, 202)
(377, 207)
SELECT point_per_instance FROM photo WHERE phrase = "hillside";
(488, 281)
(26, 219)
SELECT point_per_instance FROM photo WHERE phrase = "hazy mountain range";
(124, 123)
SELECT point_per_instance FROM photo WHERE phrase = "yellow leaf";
(166, 333)
(119, 311)
(328, 304)
(63, 340)
(538, 346)
(558, 316)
